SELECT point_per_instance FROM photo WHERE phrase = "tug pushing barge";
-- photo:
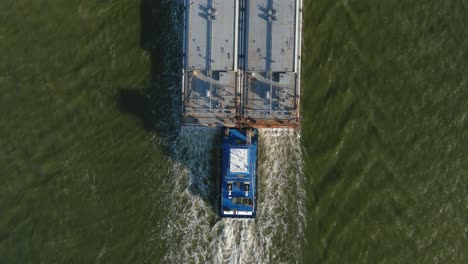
(241, 71)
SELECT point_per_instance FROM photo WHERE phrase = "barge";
(242, 71)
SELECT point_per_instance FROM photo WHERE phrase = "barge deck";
(242, 63)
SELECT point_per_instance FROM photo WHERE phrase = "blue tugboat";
(239, 173)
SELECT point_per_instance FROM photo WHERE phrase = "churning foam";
(194, 231)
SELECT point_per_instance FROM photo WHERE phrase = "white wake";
(195, 233)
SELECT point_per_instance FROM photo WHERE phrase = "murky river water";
(94, 167)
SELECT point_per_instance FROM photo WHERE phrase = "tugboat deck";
(238, 185)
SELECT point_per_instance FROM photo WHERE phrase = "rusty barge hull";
(242, 63)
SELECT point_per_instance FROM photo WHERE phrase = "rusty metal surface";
(261, 39)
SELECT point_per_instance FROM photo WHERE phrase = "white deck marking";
(239, 161)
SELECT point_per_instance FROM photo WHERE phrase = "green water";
(89, 95)
(385, 131)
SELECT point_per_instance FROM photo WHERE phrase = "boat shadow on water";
(155, 104)
(158, 105)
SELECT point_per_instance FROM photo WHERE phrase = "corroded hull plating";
(242, 63)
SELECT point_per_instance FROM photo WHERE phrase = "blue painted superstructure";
(239, 173)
